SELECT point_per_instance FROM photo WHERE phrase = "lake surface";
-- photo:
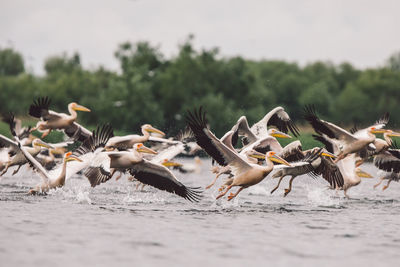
(116, 224)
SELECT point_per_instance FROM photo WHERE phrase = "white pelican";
(16, 157)
(51, 120)
(276, 117)
(245, 174)
(347, 166)
(127, 141)
(389, 163)
(346, 142)
(314, 163)
(143, 170)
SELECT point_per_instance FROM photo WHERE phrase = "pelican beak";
(363, 174)
(279, 160)
(327, 154)
(72, 158)
(145, 149)
(391, 133)
(280, 134)
(378, 131)
(154, 130)
(81, 108)
(257, 155)
(171, 164)
(43, 144)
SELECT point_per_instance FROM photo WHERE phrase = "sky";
(364, 33)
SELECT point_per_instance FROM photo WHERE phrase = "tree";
(11, 62)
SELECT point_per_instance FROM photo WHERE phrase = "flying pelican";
(51, 120)
(347, 166)
(16, 157)
(276, 117)
(127, 141)
(143, 170)
(245, 174)
(314, 164)
(346, 142)
(389, 162)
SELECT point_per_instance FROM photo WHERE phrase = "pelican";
(51, 120)
(276, 117)
(49, 180)
(388, 162)
(347, 166)
(346, 142)
(143, 170)
(16, 157)
(245, 174)
(314, 164)
(127, 141)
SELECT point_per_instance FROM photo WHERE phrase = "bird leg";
(387, 185)
(287, 190)
(143, 185)
(380, 181)
(46, 133)
(231, 196)
(6, 169)
(118, 177)
(19, 167)
(279, 182)
(137, 186)
(213, 182)
(223, 193)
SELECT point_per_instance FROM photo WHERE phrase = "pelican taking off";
(127, 141)
(245, 174)
(51, 120)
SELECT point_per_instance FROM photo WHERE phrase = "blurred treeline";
(151, 88)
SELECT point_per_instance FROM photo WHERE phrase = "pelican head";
(276, 133)
(151, 129)
(77, 107)
(39, 143)
(168, 163)
(271, 155)
(139, 147)
(69, 157)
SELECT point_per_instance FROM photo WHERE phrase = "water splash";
(82, 197)
(320, 196)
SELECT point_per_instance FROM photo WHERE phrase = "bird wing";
(169, 153)
(35, 164)
(161, 178)
(278, 118)
(379, 124)
(163, 140)
(330, 172)
(77, 132)
(40, 108)
(212, 145)
(326, 128)
(292, 152)
(388, 160)
(6, 142)
(241, 128)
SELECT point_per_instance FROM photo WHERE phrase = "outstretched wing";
(278, 118)
(211, 144)
(161, 178)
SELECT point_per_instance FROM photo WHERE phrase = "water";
(116, 224)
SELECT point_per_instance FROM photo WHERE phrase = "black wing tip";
(35, 110)
(193, 194)
(9, 118)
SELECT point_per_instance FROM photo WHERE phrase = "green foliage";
(153, 89)
(11, 62)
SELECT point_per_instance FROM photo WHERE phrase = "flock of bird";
(100, 155)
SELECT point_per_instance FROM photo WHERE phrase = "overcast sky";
(363, 33)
